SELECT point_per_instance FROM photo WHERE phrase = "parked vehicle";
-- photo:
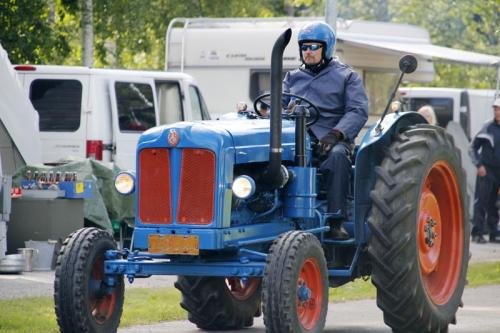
(230, 57)
(236, 209)
(19, 135)
(471, 108)
(100, 113)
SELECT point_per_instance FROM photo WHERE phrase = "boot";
(493, 238)
(337, 231)
(479, 239)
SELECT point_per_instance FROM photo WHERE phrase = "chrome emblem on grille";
(173, 138)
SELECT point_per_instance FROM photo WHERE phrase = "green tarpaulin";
(105, 204)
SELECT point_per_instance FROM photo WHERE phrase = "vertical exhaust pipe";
(275, 175)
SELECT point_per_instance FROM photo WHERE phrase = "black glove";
(327, 142)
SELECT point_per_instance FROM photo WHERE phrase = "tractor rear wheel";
(295, 285)
(420, 231)
(82, 301)
(215, 303)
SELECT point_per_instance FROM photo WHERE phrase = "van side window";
(169, 102)
(198, 106)
(58, 103)
(443, 107)
(135, 103)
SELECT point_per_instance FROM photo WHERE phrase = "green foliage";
(27, 33)
(461, 24)
(131, 33)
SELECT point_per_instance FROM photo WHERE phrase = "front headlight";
(243, 187)
(125, 182)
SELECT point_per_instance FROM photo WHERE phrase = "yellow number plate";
(174, 244)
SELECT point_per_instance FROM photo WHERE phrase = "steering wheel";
(257, 103)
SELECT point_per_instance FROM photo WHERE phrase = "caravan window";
(260, 81)
(198, 106)
(169, 102)
(136, 111)
(58, 103)
(443, 107)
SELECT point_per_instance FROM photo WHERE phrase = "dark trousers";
(337, 170)
(485, 210)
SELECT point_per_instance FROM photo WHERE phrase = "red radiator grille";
(154, 186)
(197, 185)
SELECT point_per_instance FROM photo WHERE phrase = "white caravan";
(100, 113)
(230, 58)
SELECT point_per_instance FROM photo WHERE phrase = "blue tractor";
(236, 210)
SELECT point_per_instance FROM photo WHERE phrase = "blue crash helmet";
(319, 32)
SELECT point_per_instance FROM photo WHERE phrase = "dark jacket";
(338, 92)
(485, 147)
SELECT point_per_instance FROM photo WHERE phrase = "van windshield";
(136, 112)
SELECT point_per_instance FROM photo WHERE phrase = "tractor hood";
(247, 138)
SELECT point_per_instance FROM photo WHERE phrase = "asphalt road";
(41, 283)
(481, 314)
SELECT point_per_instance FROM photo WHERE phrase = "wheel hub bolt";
(430, 234)
(304, 292)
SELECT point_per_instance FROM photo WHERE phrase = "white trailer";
(230, 58)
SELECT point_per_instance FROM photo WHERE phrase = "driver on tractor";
(338, 92)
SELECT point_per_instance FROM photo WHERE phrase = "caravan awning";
(426, 50)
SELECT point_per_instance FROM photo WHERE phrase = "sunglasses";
(312, 47)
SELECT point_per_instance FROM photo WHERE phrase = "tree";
(461, 24)
(27, 33)
(87, 28)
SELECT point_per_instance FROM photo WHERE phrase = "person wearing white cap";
(485, 154)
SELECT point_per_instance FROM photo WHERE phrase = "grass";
(142, 306)
(147, 305)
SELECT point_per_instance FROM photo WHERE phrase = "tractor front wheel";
(295, 285)
(215, 303)
(420, 231)
(83, 302)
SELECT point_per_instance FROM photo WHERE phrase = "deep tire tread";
(392, 246)
(211, 306)
(279, 283)
(69, 296)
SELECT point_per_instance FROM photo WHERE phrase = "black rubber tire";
(393, 247)
(72, 294)
(279, 284)
(211, 305)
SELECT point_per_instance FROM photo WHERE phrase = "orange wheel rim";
(240, 289)
(101, 306)
(440, 232)
(309, 294)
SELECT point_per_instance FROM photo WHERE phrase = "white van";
(471, 108)
(100, 113)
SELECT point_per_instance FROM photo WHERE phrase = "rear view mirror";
(408, 64)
